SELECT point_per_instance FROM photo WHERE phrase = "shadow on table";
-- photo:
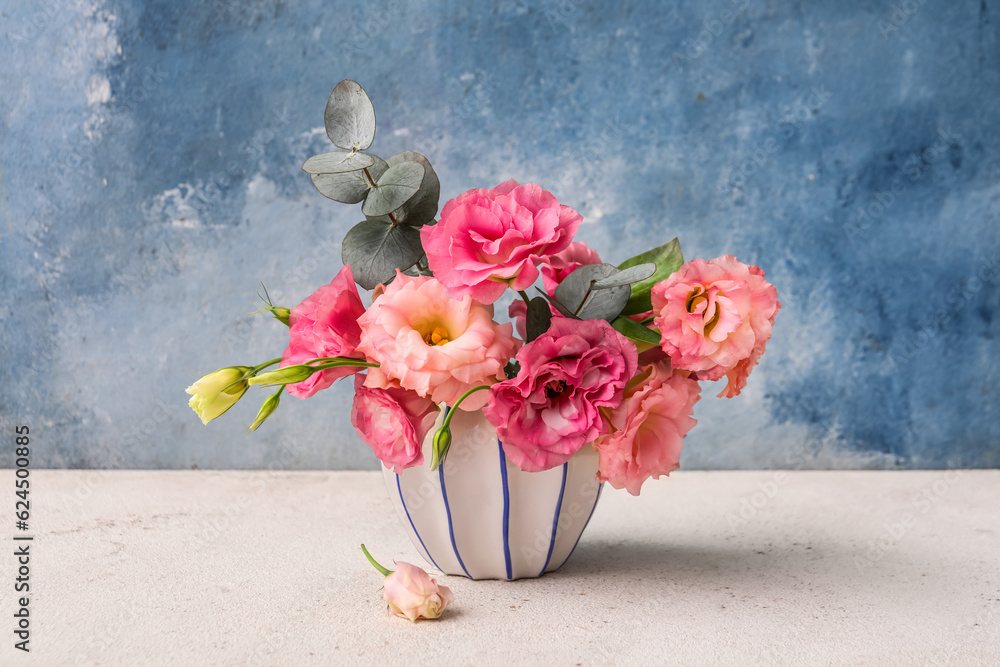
(780, 564)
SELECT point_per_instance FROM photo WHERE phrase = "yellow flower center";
(437, 336)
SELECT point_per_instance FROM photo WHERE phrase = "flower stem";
(340, 361)
(524, 295)
(257, 369)
(451, 412)
(375, 564)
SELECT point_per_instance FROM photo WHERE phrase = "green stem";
(447, 420)
(257, 369)
(375, 563)
(343, 361)
(524, 295)
(338, 364)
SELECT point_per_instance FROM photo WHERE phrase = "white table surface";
(263, 568)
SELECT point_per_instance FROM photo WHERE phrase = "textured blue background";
(149, 178)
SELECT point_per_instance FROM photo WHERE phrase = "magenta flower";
(393, 422)
(549, 411)
(325, 325)
(715, 318)
(648, 427)
(489, 239)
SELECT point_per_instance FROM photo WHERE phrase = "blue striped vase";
(480, 516)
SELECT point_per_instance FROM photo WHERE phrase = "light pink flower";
(648, 427)
(432, 344)
(548, 411)
(712, 317)
(489, 239)
(556, 267)
(393, 422)
(411, 593)
(737, 375)
(325, 325)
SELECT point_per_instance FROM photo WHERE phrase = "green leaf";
(422, 207)
(397, 185)
(337, 162)
(350, 117)
(633, 274)
(376, 249)
(576, 293)
(537, 319)
(668, 258)
(348, 187)
(634, 331)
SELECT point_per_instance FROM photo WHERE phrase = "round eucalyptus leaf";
(350, 117)
(337, 162)
(633, 274)
(348, 187)
(422, 207)
(563, 310)
(576, 293)
(397, 185)
(376, 249)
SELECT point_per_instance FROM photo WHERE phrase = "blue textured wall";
(149, 178)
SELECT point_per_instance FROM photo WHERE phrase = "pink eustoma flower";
(393, 422)
(432, 344)
(549, 411)
(411, 593)
(648, 427)
(489, 239)
(325, 325)
(715, 318)
(556, 267)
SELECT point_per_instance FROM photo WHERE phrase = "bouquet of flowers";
(605, 356)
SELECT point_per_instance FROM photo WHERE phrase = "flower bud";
(286, 375)
(269, 406)
(442, 443)
(280, 314)
(216, 392)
